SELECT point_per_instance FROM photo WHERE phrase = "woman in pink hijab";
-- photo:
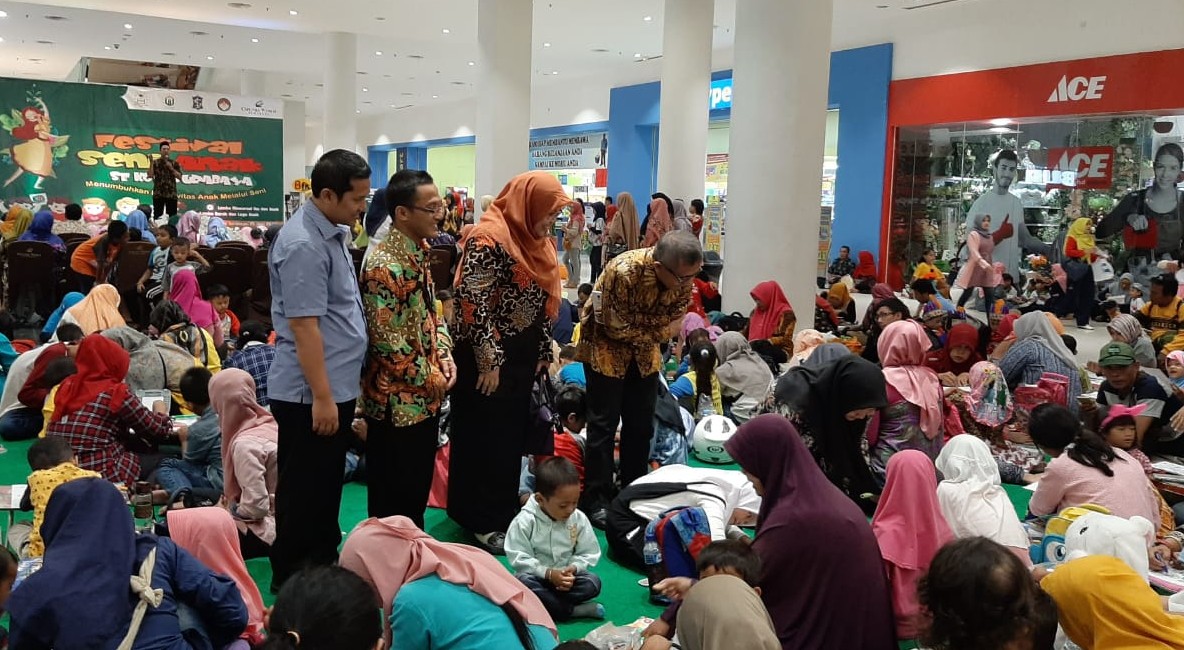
(913, 417)
(413, 574)
(249, 458)
(210, 536)
(186, 292)
(658, 223)
(910, 529)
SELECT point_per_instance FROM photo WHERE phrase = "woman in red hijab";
(866, 270)
(772, 317)
(94, 410)
(953, 362)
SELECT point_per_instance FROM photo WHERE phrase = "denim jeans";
(174, 474)
(21, 424)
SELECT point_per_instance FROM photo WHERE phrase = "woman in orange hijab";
(507, 295)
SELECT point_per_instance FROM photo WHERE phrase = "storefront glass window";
(1063, 169)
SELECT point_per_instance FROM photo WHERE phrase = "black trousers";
(308, 492)
(162, 205)
(629, 400)
(596, 259)
(400, 464)
(488, 437)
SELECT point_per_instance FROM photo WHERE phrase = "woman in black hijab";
(830, 405)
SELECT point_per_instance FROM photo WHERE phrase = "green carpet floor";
(624, 601)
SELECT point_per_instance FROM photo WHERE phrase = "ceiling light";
(435, 97)
(637, 55)
(445, 31)
(1000, 129)
(546, 45)
(239, 5)
(254, 40)
(53, 18)
(1001, 121)
(365, 89)
(648, 18)
(45, 42)
(106, 47)
(377, 52)
(3, 14)
(209, 58)
(199, 33)
(293, 12)
(127, 25)
(554, 72)
(472, 63)
(168, 54)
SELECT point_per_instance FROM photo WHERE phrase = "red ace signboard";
(1093, 167)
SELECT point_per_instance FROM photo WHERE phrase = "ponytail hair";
(703, 360)
(325, 608)
(1090, 450)
(520, 628)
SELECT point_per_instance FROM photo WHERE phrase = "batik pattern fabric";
(637, 313)
(403, 380)
(497, 299)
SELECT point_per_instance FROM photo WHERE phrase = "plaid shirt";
(95, 431)
(256, 361)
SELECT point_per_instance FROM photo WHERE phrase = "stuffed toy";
(1095, 533)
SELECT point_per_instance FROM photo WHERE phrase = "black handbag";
(543, 423)
(612, 250)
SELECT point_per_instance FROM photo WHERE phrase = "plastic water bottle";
(705, 407)
(654, 569)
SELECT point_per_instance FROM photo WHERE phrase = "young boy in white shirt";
(551, 544)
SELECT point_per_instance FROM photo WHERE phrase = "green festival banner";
(92, 144)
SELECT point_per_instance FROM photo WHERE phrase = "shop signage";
(721, 93)
(1127, 83)
(1089, 168)
(583, 151)
(1077, 89)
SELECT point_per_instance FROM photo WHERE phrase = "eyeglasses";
(682, 279)
(881, 315)
(439, 209)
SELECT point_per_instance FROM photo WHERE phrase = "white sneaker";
(1087, 326)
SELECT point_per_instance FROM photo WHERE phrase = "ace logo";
(1077, 89)
(1093, 166)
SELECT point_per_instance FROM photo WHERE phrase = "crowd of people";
(871, 448)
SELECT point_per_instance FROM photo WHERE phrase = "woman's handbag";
(613, 249)
(543, 422)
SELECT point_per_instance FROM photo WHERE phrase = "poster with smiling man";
(1011, 236)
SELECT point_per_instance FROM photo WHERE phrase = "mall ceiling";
(409, 51)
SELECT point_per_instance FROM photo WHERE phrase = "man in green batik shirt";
(409, 366)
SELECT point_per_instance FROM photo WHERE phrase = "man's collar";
(326, 228)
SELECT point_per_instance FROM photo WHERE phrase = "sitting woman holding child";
(444, 596)
(80, 597)
(94, 411)
(987, 412)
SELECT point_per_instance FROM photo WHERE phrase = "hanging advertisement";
(583, 151)
(713, 232)
(93, 144)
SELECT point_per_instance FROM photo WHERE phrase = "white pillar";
(294, 141)
(341, 65)
(252, 83)
(779, 100)
(686, 83)
(503, 92)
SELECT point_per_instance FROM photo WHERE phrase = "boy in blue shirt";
(200, 465)
(551, 544)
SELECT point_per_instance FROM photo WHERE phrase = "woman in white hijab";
(972, 499)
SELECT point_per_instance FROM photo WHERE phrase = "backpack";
(733, 322)
(625, 531)
(672, 545)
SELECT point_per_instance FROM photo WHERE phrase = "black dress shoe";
(599, 518)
